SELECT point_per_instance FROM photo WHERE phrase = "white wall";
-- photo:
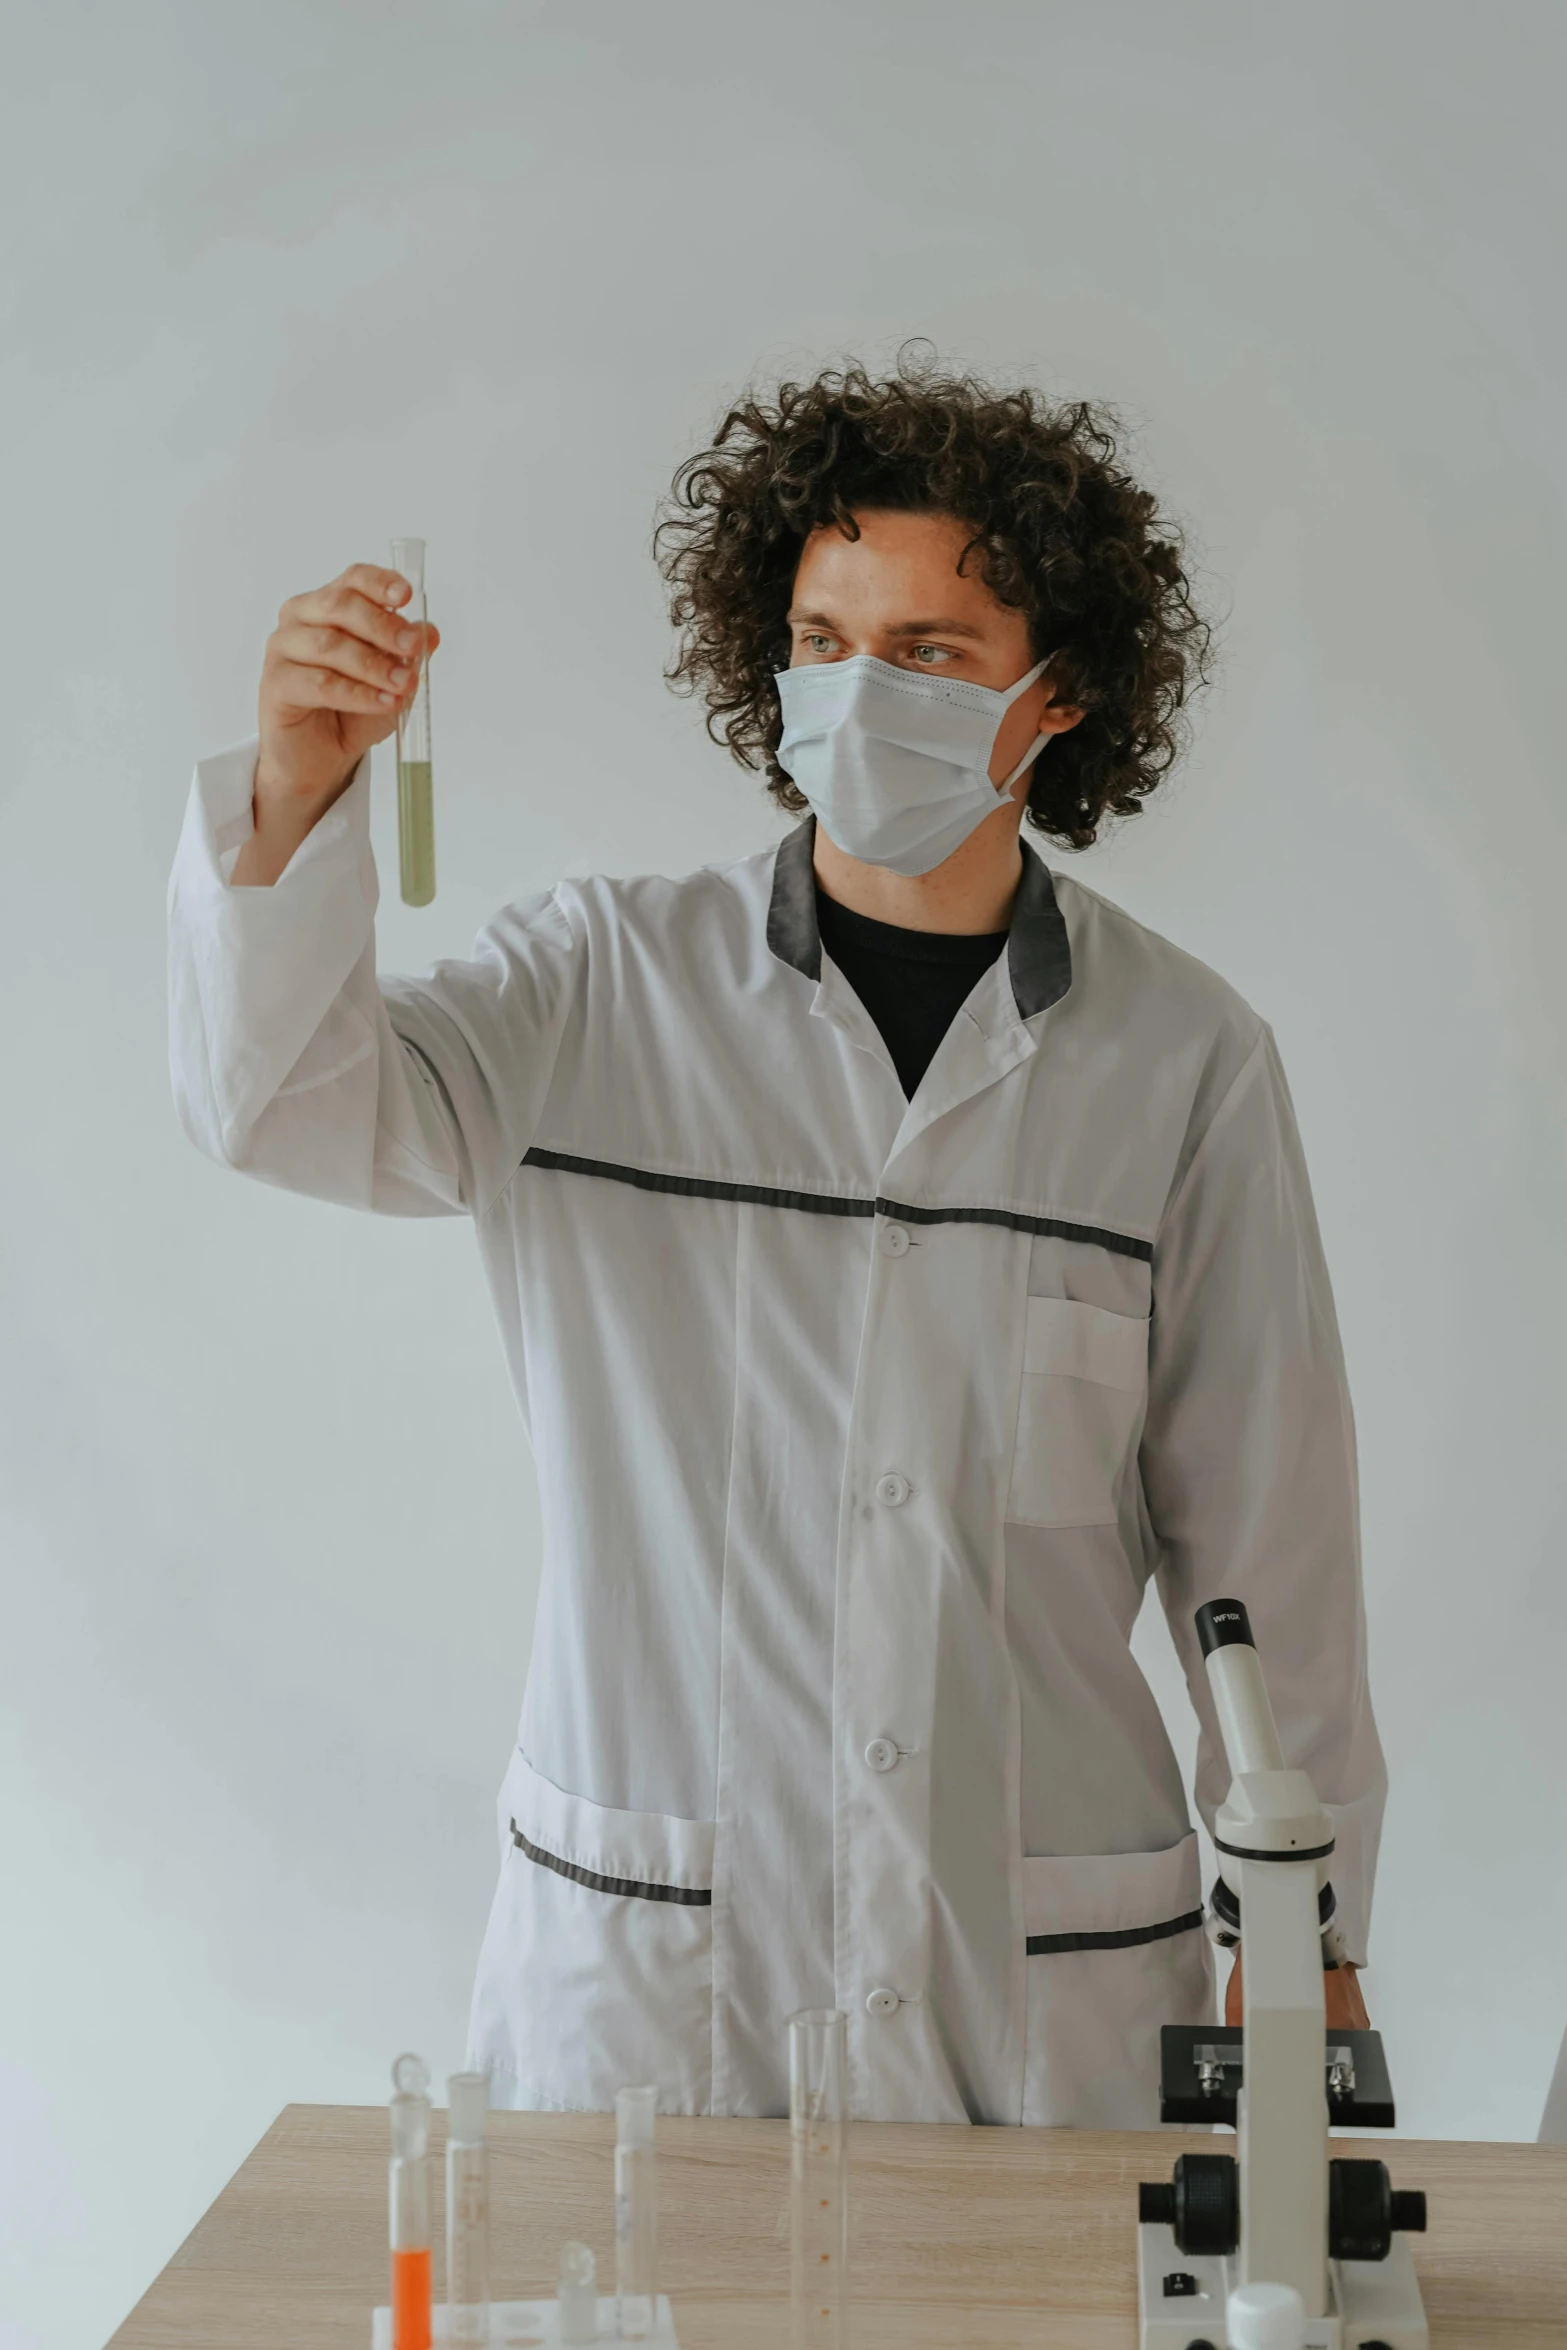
(283, 280)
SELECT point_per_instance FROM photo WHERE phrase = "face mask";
(896, 765)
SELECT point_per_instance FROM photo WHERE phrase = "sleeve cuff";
(256, 974)
(223, 795)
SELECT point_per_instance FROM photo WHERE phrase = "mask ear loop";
(1023, 765)
(1026, 680)
(1003, 791)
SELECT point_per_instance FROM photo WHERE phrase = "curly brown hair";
(1061, 532)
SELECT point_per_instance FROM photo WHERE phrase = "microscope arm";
(1273, 1839)
(1343, 1997)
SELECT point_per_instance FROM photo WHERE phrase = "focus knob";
(1201, 2207)
(1364, 2212)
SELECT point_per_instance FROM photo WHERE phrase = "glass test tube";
(409, 2183)
(819, 2196)
(576, 2295)
(415, 793)
(636, 2215)
(467, 2209)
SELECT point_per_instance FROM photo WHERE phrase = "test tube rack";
(525, 2325)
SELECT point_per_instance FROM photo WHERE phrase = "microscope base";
(1375, 2304)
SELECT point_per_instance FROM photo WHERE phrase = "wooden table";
(982, 2237)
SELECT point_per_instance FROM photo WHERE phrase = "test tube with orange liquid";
(819, 2178)
(409, 2198)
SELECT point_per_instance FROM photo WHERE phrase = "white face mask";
(896, 764)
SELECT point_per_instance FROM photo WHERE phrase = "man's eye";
(818, 644)
(929, 655)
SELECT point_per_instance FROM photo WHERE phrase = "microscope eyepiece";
(1223, 1623)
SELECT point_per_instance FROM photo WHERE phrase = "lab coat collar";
(1039, 953)
(791, 916)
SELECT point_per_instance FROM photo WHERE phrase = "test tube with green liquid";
(415, 794)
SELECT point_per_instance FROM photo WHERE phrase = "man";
(901, 1254)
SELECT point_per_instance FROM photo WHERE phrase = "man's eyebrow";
(936, 628)
(914, 628)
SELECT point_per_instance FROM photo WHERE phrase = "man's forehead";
(916, 557)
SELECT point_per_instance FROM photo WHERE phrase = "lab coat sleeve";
(1249, 1460)
(289, 1058)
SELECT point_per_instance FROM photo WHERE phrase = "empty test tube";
(467, 2210)
(577, 2294)
(636, 2215)
(409, 2196)
(818, 2184)
(415, 790)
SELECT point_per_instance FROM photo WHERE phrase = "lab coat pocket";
(1085, 1380)
(597, 1967)
(1115, 1950)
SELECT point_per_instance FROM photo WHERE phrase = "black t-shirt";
(910, 981)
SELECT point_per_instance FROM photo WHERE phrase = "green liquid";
(416, 831)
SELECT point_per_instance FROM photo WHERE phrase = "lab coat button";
(882, 1755)
(893, 1241)
(881, 2001)
(892, 1490)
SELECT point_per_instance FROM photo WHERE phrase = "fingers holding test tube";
(341, 668)
(344, 667)
(346, 634)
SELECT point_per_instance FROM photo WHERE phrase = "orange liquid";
(411, 2300)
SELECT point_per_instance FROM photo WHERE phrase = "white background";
(284, 280)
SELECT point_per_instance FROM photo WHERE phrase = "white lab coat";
(860, 1425)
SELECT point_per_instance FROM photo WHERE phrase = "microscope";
(1281, 2211)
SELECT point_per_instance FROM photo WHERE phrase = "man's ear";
(1058, 716)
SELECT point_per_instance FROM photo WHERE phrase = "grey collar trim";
(791, 917)
(1039, 954)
